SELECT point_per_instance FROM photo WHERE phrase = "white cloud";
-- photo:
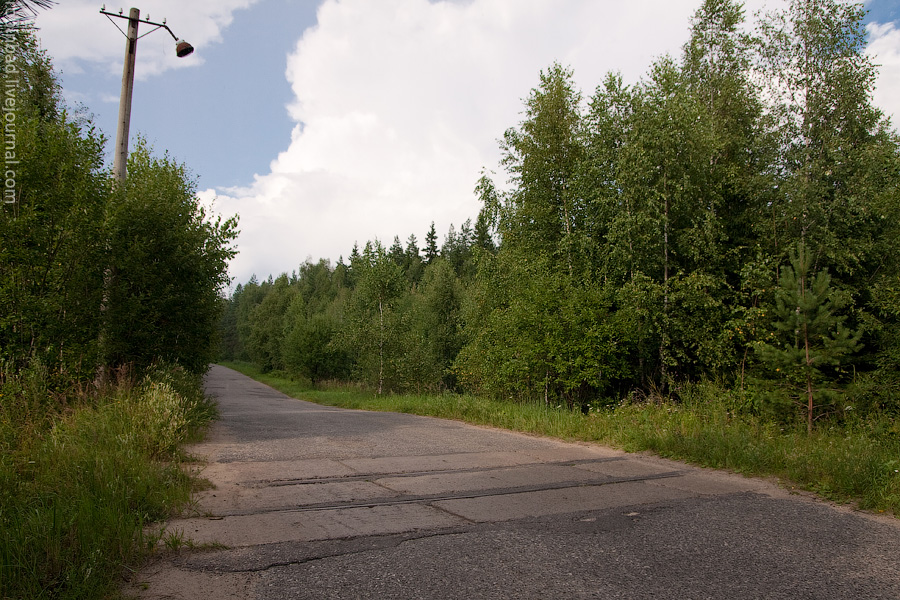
(399, 104)
(884, 48)
(74, 33)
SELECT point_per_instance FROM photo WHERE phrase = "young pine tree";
(810, 335)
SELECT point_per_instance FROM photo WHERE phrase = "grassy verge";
(82, 475)
(859, 462)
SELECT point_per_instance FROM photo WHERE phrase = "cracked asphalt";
(317, 502)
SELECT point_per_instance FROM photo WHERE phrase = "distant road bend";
(319, 502)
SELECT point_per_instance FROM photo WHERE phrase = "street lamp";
(182, 49)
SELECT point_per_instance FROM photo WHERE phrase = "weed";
(175, 540)
(81, 477)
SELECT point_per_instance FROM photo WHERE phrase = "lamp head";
(182, 48)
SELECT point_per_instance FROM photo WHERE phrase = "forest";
(731, 218)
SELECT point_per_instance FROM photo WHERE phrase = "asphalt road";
(316, 502)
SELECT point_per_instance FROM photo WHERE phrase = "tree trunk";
(809, 384)
(664, 338)
(380, 346)
(568, 238)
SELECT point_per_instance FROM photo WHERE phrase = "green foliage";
(828, 133)
(244, 300)
(168, 264)
(309, 347)
(431, 249)
(504, 355)
(230, 346)
(542, 157)
(439, 322)
(412, 262)
(372, 331)
(810, 338)
(457, 248)
(51, 236)
(267, 324)
(80, 485)
(880, 390)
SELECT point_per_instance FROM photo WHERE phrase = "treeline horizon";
(733, 217)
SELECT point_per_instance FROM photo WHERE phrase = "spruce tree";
(431, 249)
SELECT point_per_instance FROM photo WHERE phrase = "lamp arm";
(148, 22)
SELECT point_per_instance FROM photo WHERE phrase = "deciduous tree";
(169, 262)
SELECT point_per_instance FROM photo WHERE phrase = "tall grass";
(81, 475)
(857, 461)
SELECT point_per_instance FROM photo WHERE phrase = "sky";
(327, 123)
